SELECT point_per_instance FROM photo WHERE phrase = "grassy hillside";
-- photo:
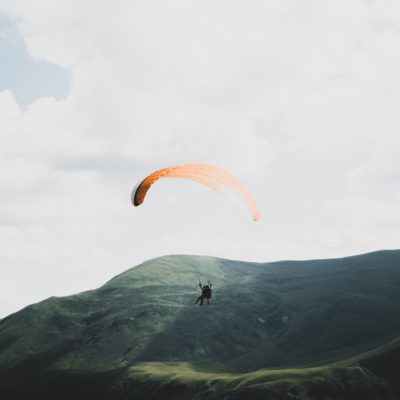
(303, 328)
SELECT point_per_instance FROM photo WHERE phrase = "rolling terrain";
(291, 329)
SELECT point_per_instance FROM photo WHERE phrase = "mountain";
(284, 330)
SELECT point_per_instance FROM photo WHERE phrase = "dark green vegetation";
(321, 329)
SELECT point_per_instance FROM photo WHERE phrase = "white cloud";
(369, 213)
(9, 109)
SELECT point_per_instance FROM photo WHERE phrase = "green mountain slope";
(302, 329)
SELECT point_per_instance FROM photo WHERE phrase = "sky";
(299, 100)
(27, 78)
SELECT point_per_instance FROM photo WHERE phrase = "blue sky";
(26, 78)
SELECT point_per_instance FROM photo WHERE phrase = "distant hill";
(291, 329)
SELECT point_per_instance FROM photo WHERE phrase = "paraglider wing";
(209, 175)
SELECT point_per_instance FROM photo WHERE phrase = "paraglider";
(206, 293)
(209, 175)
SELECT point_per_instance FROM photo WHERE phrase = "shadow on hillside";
(60, 385)
(235, 322)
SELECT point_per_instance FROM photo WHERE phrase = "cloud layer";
(299, 101)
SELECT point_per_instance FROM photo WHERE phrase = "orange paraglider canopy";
(206, 174)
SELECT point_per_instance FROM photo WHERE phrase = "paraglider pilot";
(205, 293)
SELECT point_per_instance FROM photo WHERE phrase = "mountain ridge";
(308, 316)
